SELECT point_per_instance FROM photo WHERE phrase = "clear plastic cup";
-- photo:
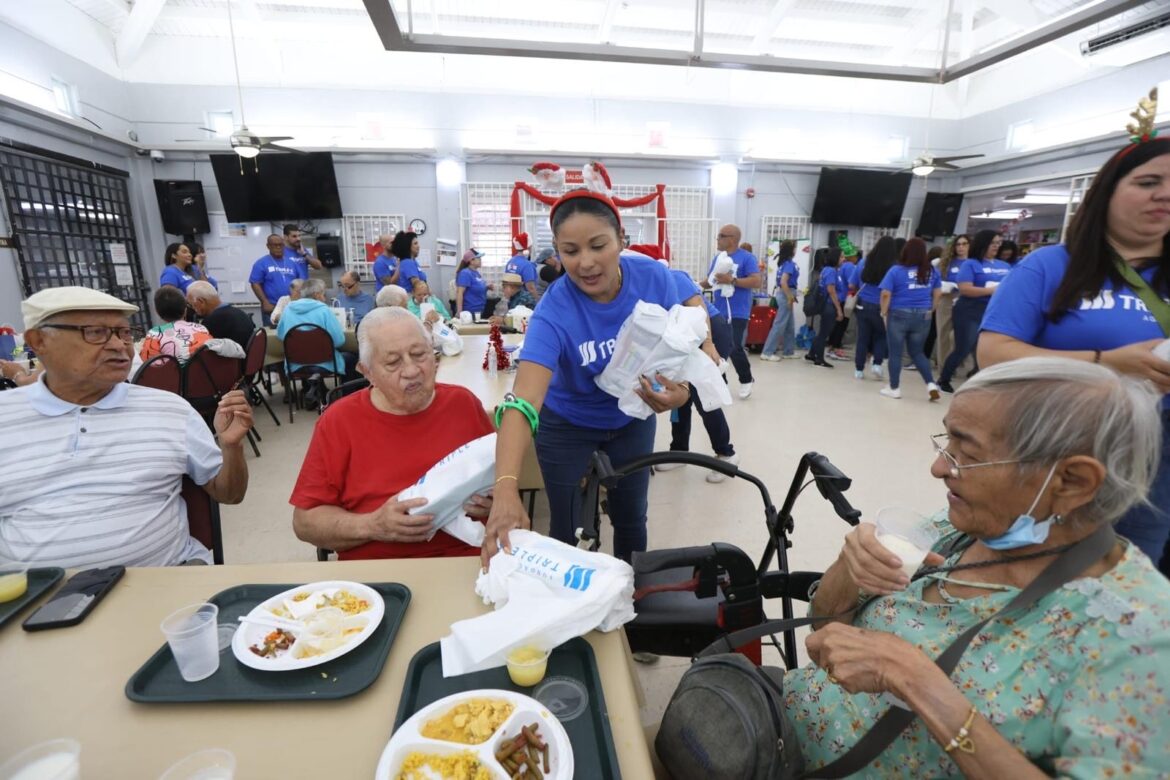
(210, 764)
(57, 759)
(13, 584)
(906, 534)
(527, 665)
(193, 636)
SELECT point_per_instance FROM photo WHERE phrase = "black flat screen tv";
(851, 196)
(276, 187)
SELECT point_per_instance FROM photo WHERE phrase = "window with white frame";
(359, 231)
(1078, 186)
(870, 235)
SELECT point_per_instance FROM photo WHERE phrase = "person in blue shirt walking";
(470, 288)
(1101, 297)
(294, 252)
(845, 271)
(910, 293)
(271, 275)
(570, 341)
(386, 264)
(739, 305)
(832, 310)
(406, 248)
(177, 272)
(520, 264)
(784, 326)
(978, 277)
(871, 329)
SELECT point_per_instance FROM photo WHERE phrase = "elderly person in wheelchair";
(1039, 455)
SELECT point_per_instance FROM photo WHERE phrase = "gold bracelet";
(506, 476)
(963, 740)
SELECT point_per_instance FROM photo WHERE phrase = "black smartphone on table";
(75, 600)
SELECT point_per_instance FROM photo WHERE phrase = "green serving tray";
(158, 680)
(594, 755)
(39, 581)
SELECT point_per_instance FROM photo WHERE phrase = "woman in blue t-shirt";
(406, 248)
(832, 312)
(910, 293)
(470, 288)
(871, 331)
(977, 278)
(570, 341)
(1073, 300)
(177, 271)
(783, 326)
(953, 256)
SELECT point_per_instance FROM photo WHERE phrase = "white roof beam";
(606, 28)
(138, 25)
(764, 34)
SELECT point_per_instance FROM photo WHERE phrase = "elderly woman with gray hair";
(1040, 457)
(392, 295)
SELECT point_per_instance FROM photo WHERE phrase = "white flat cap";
(39, 306)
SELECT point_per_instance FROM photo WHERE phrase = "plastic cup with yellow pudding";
(13, 584)
(527, 665)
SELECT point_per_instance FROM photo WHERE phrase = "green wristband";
(519, 404)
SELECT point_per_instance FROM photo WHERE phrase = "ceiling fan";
(926, 164)
(243, 141)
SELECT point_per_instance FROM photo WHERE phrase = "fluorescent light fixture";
(922, 170)
(1038, 200)
(724, 177)
(448, 173)
(1000, 214)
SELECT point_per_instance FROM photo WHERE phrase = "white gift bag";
(468, 470)
(545, 593)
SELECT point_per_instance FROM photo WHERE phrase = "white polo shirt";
(100, 485)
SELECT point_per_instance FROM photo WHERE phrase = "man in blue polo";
(271, 275)
(294, 252)
(746, 279)
(386, 266)
(520, 264)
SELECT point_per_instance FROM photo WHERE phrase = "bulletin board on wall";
(232, 248)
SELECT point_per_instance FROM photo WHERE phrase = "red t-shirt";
(360, 457)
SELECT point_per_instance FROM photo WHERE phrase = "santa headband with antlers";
(597, 187)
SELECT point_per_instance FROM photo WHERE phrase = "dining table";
(275, 347)
(69, 682)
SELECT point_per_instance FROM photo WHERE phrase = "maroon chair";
(256, 350)
(203, 518)
(161, 372)
(208, 377)
(308, 345)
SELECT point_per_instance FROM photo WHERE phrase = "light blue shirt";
(310, 311)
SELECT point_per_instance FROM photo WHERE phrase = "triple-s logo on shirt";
(590, 350)
(1107, 300)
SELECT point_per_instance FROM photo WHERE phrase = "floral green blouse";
(1080, 685)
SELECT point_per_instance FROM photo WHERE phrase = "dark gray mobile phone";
(75, 600)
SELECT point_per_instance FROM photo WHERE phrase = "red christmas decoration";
(496, 345)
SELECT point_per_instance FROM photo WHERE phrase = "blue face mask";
(1025, 530)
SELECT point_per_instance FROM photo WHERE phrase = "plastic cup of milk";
(57, 759)
(906, 534)
(212, 764)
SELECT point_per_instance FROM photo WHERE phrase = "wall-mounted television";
(851, 196)
(939, 213)
(275, 187)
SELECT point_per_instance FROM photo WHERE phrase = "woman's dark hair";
(196, 249)
(550, 273)
(1010, 246)
(833, 257)
(914, 254)
(463, 264)
(169, 303)
(1090, 256)
(818, 260)
(169, 257)
(786, 251)
(590, 206)
(401, 245)
(981, 243)
(899, 243)
(883, 255)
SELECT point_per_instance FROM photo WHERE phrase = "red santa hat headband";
(597, 187)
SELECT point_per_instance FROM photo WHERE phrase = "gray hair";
(378, 318)
(202, 291)
(1056, 407)
(295, 286)
(391, 295)
(312, 288)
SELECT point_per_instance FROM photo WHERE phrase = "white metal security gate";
(1078, 186)
(357, 230)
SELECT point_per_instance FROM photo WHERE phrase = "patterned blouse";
(1080, 685)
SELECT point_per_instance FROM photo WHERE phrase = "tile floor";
(796, 407)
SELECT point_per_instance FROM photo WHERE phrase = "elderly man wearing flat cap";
(96, 477)
(514, 295)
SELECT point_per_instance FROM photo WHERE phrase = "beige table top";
(69, 682)
(466, 369)
(275, 347)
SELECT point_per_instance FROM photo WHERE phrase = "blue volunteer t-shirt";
(866, 293)
(741, 300)
(384, 268)
(519, 264)
(980, 272)
(845, 278)
(408, 271)
(474, 290)
(574, 336)
(175, 277)
(299, 259)
(274, 276)
(829, 278)
(906, 292)
(687, 289)
(787, 267)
